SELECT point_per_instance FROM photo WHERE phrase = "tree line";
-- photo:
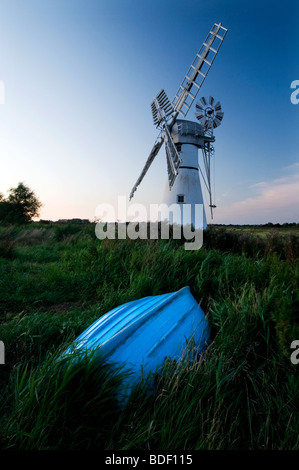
(20, 206)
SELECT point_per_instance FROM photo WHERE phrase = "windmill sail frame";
(165, 113)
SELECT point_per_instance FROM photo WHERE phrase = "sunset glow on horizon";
(77, 79)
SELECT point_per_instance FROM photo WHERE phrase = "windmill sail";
(165, 113)
(158, 144)
(198, 70)
(161, 108)
(173, 159)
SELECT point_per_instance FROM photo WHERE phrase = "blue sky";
(79, 78)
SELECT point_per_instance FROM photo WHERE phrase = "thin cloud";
(257, 185)
(275, 201)
(294, 166)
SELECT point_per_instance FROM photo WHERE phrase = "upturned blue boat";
(141, 334)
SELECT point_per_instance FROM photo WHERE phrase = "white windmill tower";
(183, 138)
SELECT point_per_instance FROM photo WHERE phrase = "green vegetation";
(20, 207)
(56, 279)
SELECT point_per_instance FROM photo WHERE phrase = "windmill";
(183, 138)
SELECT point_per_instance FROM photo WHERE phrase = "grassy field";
(55, 280)
(267, 230)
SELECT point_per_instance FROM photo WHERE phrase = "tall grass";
(61, 404)
(242, 394)
(285, 245)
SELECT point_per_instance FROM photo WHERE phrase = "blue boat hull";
(139, 335)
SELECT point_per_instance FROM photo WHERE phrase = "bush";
(7, 248)
(63, 232)
(20, 207)
(286, 246)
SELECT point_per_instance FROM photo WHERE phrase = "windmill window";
(181, 198)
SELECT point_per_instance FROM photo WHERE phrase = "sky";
(77, 78)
